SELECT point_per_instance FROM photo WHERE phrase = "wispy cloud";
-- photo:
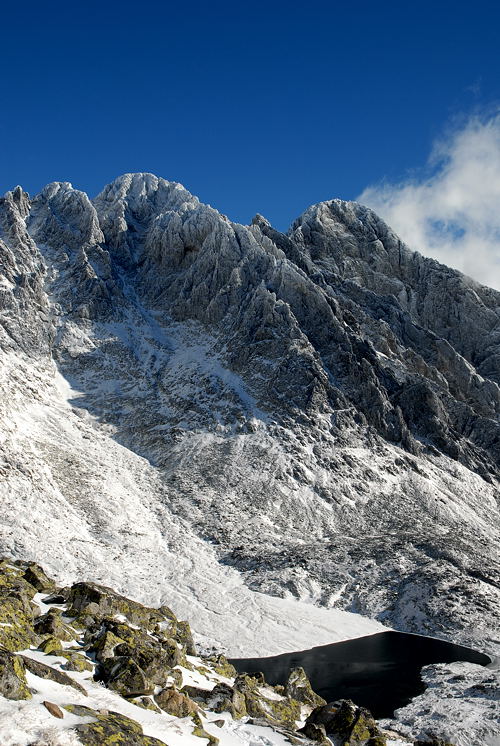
(452, 211)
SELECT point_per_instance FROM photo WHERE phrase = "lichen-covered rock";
(299, 687)
(16, 621)
(283, 710)
(48, 672)
(13, 683)
(98, 600)
(227, 699)
(104, 643)
(176, 703)
(315, 733)
(221, 665)
(38, 579)
(347, 723)
(51, 624)
(125, 676)
(110, 729)
(154, 659)
(184, 635)
(433, 742)
(50, 646)
(75, 661)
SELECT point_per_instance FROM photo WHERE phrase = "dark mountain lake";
(380, 672)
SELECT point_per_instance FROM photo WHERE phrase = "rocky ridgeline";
(143, 654)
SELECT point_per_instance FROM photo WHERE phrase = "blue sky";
(254, 107)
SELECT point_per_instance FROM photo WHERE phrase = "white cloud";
(452, 213)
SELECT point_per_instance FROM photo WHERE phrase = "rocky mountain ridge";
(320, 408)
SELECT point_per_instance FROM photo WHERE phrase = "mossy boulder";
(175, 703)
(124, 675)
(13, 683)
(110, 729)
(348, 724)
(38, 579)
(299, 687)
(433, 742)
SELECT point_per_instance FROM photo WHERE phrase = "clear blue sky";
(254, 107)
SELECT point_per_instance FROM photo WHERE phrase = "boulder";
(227, 699)
(124, 675)
(299, 687)
(13, 683)
(154, 659)
(221, 665)
(110, 729)
(36, 577)
(176, 703)
(104, 644)
(348, 724)
(16, 620)
(51, 646)
(54, 709)
(99, 601)
(52, 624)
(47, 672)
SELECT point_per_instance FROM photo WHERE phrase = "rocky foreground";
(84, 665)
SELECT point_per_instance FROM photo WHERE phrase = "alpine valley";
(288, 439)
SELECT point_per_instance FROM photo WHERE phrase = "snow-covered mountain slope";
(241, 415)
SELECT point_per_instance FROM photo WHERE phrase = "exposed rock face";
(327, 391)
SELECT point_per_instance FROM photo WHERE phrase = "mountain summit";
(270, 424)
